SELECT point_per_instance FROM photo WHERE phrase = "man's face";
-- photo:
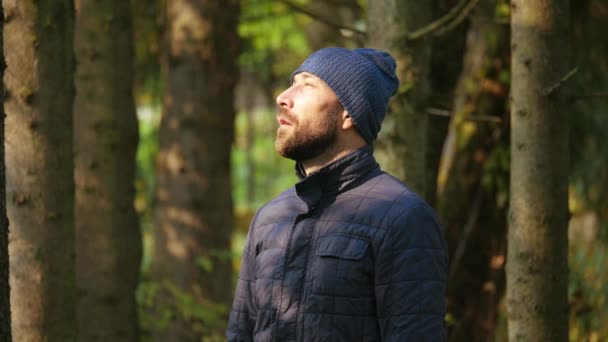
(309, 113)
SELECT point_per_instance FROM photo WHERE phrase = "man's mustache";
(284, 114)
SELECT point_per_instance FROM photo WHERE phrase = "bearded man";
(349, 253)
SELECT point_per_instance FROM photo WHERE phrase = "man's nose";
(284, 100)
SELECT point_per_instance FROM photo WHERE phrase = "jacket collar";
(335, 177)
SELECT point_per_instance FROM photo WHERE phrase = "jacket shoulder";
(388, 190)
(387, 203)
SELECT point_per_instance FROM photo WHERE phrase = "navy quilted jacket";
(348, 254)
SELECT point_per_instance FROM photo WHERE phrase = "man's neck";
(328, 157)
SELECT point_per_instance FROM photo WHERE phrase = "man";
(349, 253)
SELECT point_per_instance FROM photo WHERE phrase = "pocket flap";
(340, 246)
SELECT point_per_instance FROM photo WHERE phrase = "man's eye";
(308, 84)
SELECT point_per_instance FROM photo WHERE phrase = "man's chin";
(282, 151)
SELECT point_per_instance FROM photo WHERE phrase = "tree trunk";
(5, 309)
(108, 240)
(194, 203)
(401, 146)
(40, 185)
(537, 263)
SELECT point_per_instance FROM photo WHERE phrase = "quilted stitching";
(364, 261)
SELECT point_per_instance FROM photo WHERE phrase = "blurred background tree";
(108, 239)
(193, 218)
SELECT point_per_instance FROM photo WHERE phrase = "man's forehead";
(305, 75)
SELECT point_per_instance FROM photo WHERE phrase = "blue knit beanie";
(363, 79)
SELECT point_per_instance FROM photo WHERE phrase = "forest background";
(177, 98)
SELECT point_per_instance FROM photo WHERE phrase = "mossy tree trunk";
(401, 146)
(108, 240)
(5, 309)
(537, 262)
(38, 40)
(194, 216)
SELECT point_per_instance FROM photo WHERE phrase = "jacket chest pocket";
(343, 266)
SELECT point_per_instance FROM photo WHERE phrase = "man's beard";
(303, 142)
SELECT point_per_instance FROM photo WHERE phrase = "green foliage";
(206, 262)
(495, 177)
(147, 29)
(503, 11)
(160, 303)
(273, 39)
(149, 118)
(269, 27)
(588, 291)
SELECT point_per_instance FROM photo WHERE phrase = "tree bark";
(5, 309)
(401, 146)
(194, 203)
(537, 262)
(40, 186)
(108, 240)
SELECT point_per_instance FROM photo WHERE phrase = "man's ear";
(347, 121)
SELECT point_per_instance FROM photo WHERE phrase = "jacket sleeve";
(243, 313)
(410, 279)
